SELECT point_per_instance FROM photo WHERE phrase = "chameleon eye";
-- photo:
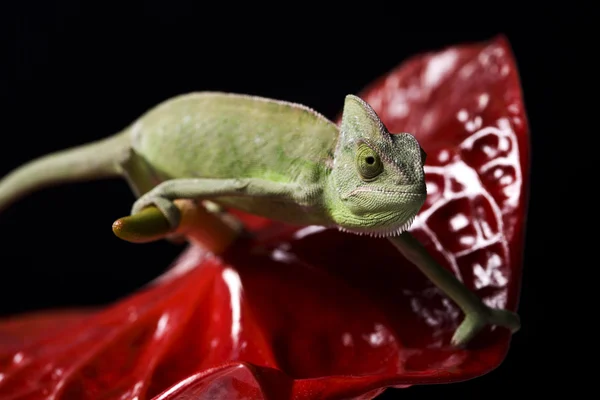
(368, 163)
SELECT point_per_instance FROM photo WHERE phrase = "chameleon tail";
(92, 161)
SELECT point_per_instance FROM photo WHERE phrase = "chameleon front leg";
(162, 196)
(477, 314)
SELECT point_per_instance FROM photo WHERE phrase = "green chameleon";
(271, 158)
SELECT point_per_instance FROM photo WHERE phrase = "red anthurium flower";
(313, 313)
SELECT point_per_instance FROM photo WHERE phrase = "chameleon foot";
(475, 322)
(166, 207)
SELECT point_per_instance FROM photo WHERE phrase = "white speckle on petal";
(462, 115)
(483, 100)
(458, 222)
(438, 67)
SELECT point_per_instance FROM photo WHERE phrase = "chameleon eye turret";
(368, 162)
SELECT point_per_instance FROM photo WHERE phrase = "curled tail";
(96, 160)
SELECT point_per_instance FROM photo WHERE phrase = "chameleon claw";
(196, 224)
(167, 207)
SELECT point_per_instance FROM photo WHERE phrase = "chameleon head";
(377, 183)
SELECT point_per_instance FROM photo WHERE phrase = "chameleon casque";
(271, 158)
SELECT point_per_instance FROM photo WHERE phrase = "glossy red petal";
(312, 313)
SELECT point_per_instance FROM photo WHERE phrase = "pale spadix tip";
(146, 226)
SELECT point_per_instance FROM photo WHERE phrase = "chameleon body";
(271, 158)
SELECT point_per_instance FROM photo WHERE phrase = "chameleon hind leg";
(477, 314)
(141, 179)
(137, 173)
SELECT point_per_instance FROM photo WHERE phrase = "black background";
(75, 74)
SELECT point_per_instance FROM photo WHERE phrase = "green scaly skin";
(271, 158)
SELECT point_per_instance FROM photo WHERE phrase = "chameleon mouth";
(385, 191)
(400, 226)
(394, 217)
(383, 232)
